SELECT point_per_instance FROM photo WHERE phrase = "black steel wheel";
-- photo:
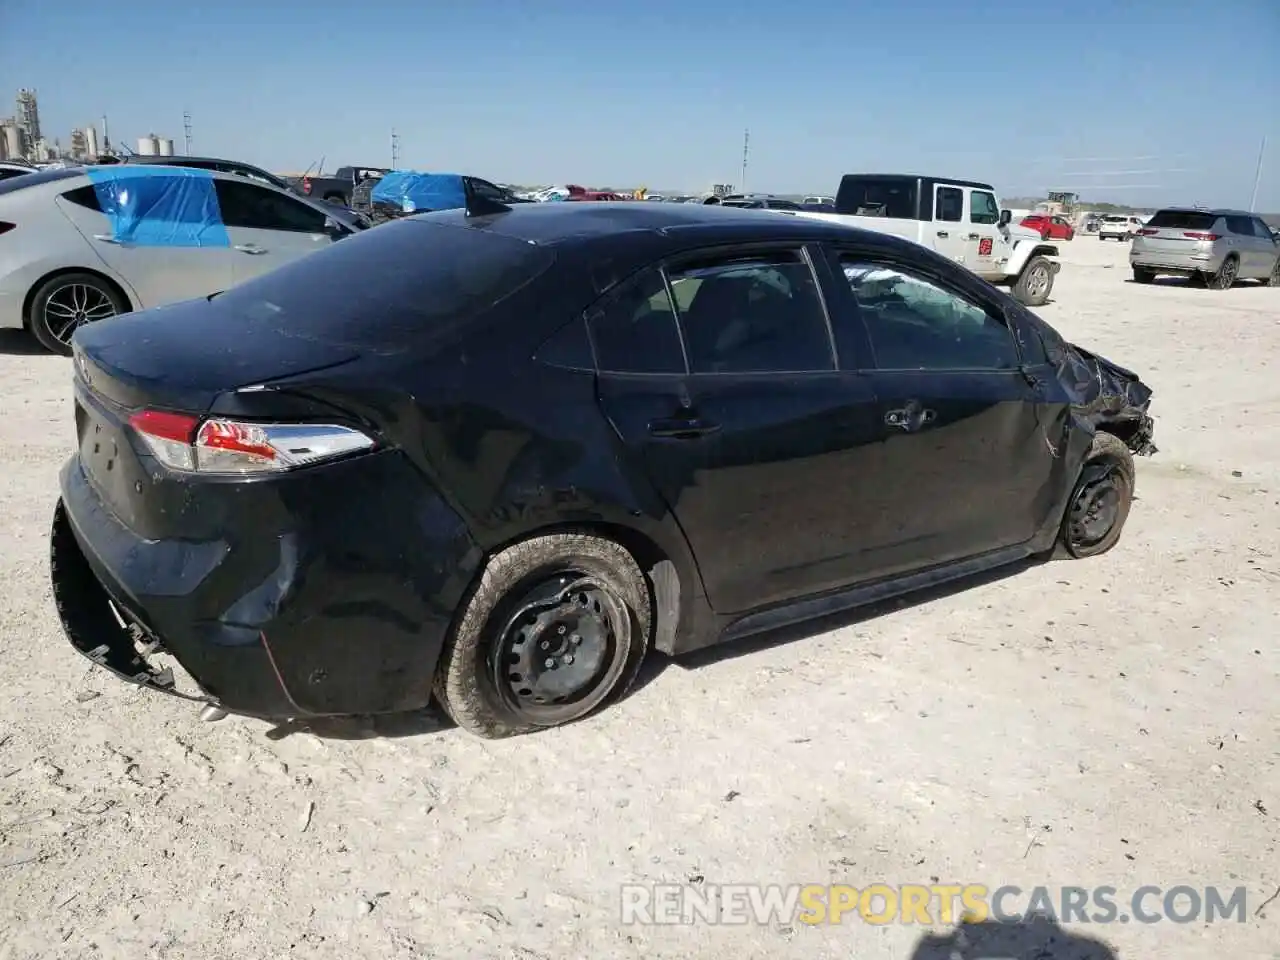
(556, 627)
(1101, 499)
(1227, 274)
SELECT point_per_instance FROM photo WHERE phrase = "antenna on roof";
(478, 206)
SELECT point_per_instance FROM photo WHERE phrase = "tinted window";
(248, 206)
(6, 174)
(1241, 226)
(40, 176)
(1262, 231)
(385, 288)
(983, 207)
(752, 314)
(892, 197)
(915, 324)
(949, 205)
(85, 197)
(1182, 220)
(634, 328)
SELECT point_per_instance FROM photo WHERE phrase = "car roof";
(1216, 211)
(568, 224)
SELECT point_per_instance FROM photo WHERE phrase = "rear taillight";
(1200, 236)
(183, 442)
(1147, 233)
(6, 227)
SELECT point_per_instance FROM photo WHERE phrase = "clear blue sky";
(1143, 101)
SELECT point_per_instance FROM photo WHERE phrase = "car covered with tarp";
(400, 193)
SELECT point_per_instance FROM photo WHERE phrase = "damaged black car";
(492, 457)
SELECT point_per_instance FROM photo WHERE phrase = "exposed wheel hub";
(559, 645)
(1094, 511)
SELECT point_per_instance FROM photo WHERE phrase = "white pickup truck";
(960, 219)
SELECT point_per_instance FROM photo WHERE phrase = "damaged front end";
(1105, 395)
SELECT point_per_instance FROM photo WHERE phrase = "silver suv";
(1218, 247)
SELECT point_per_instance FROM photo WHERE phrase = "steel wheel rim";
(1095, 511)
(1038, 281)
(73, 305)
(561, 653)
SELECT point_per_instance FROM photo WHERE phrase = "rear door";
(1268, 245)
(157, 274)
(754, 439)
(968, 438)
(950, 235)
(268, 228)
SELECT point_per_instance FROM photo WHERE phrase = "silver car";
(167, 234)
(1218, 247)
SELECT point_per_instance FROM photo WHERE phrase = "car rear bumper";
(1161, 261)
(347, 618)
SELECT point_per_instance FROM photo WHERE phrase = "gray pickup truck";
(338, 188)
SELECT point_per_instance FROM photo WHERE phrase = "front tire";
(64, 303)
(1035, 283)
(1100, 503)
(1273, 280)
(1143, 276)
(556, 628)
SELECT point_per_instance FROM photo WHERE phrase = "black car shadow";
(20, 343)
(1033, 938)
(390, 726)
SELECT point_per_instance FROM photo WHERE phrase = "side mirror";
(1006, 217)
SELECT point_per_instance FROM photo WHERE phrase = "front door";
(268, 228)
(754, 440)
(968, 442)
(157, 271)
(948, 222)
(987, 247)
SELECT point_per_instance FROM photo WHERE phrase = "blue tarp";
(160, 206)
(411, 191)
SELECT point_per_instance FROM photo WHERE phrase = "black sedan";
(493, 456)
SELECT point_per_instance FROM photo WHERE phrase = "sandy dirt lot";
(1105, 722)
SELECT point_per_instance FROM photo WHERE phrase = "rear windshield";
(1115, 219)
(892, 197)
(393, 284)
(1182, 220)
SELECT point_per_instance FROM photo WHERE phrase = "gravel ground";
(1109, 721)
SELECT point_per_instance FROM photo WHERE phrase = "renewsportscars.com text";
(926, 905)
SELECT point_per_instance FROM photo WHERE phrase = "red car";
(1051, 228)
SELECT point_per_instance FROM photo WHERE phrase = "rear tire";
(1143, 276)
(1034, 283)
(1227, 274)
(1100, 502)
(66, 302)
(564, 613)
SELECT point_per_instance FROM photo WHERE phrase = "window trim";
(923, 272)
(747, 250)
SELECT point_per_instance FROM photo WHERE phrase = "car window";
(754, 314)
(949, 204)
(1240, 226)
(914, 324)
(1262, 231)
(633, 330)
(85, 197)
(983, 207)
(246, 205)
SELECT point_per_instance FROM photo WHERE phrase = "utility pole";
(186, 131)
(1257, 177)
(395, 149)
(746, 147)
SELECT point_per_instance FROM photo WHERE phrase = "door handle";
(105, 238)
(973, 236)
(251, 248)
(943, 233)
(910, 417)
(682, 428)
